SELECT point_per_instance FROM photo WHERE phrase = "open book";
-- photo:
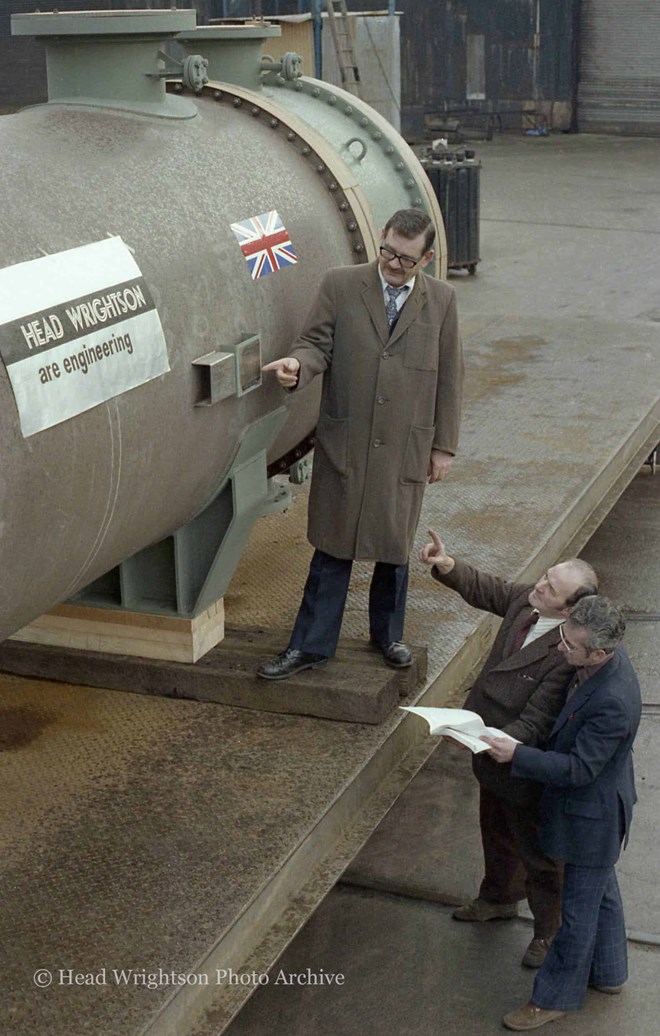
(464, 726)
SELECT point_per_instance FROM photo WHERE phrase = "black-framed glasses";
(405, 260)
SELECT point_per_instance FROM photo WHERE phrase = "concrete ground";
(408, 967)
(144, 833)
(385, 932)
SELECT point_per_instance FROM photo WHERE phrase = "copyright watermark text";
(158, 977)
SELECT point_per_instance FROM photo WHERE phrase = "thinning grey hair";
(411, 223)
(589, 581)
(603, 621)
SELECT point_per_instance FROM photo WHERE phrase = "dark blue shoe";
(396, 654)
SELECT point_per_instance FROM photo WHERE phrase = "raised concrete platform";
(356, 686)
(431, 974)
(146, 833)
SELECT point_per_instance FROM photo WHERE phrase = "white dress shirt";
(540, 627)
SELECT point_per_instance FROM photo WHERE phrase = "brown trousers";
(515, 866)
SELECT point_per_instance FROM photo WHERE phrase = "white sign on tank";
(76, 329)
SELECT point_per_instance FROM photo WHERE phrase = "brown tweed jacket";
(387, 401)
(521, 692)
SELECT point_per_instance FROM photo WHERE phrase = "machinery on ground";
(166, 226)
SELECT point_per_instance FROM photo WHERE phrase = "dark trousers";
(515, 866)
(317, 626)
(590, 946)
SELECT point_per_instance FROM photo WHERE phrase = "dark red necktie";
(524, 630)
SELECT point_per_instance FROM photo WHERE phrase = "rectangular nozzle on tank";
(233, 371)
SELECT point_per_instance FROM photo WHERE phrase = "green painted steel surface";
(233, 51)
(93, 163)
(375, 154)
(108, 59)
(386, 168)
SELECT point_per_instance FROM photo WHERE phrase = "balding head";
(561, 586)
(585, 579)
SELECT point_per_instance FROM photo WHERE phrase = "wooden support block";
(355, 687)
(116, 632)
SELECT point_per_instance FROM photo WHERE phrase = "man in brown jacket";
(521, 689)
(384, 336)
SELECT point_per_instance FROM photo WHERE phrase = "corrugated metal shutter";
(619, 90)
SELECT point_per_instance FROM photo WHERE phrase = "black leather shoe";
(288, 663)
(396, 654)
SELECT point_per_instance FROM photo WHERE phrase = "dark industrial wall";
(22, 60)
(485, 55)
(516, 53)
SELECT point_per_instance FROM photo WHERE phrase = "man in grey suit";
(384, 337)
(586, 773)
(521, 690)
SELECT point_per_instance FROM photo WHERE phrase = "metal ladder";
(344, 42)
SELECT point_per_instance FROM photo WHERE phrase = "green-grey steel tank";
(169, 179)
(379, 159)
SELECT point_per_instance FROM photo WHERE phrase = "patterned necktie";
(524, 630)
(391, 307)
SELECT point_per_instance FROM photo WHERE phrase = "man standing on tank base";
(384, 337)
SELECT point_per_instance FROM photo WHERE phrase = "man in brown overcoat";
(384, 336)
(521, 689)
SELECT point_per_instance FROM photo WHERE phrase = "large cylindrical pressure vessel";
(175, 191)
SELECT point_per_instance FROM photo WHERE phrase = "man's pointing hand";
(286, 370)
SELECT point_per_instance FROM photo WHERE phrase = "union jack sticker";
(265, 243)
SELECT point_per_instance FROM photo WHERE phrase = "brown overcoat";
(521, 692)
(387, 401)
